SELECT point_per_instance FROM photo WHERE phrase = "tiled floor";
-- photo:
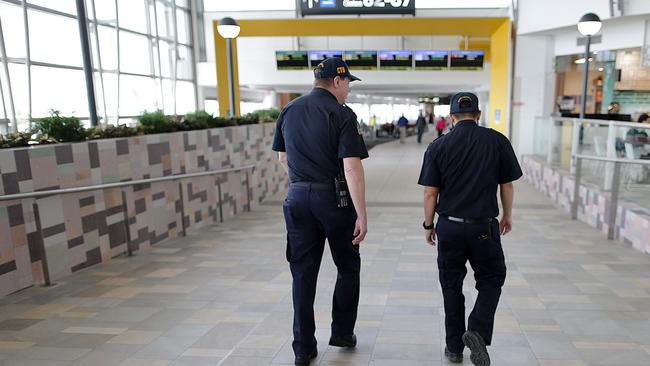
(221, 296)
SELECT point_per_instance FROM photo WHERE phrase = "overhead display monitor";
(338, 7)
(291, 60)
(431, 60)
(467, 60)
(316, 57)
(361, 60)
(395, 60)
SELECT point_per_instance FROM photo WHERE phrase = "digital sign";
(316, 57)
(431, 60)
(395, 60)
(361, 60)
(291, 60)
(467, 60)
(338, 7)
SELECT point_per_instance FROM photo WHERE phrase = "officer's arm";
(507, 191)
(356, 180)
(430, 202)
(282, 158)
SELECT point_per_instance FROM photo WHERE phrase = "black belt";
(468, 221)
(314, 186)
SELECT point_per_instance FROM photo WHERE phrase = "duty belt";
(314, 186)
(468, 221)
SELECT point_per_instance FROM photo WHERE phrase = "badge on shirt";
(359, 128)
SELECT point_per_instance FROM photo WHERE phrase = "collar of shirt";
(323, 92)
(466, 122)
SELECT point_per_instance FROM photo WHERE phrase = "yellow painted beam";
(369, 27)
(221, 58)
(500, 78)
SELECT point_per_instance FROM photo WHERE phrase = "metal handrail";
(602, 122)
(120, 184)
(613, 160)
(40, 244)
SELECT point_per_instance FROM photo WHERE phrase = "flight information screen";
(395, 60)
(431, 60)
(361, 60)
(467, 60)
(291, 60)
(316, 57)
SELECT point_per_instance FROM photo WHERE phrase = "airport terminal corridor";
(222, 295)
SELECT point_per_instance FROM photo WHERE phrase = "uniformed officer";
(319, 143)
(461, 172)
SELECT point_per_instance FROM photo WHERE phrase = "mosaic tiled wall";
(632, 221)
(83, 229)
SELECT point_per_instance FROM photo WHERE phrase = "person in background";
(402, 122)
(440, 125)
(638, 136)
(421, 125)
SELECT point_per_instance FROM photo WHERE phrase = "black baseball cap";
(331, 67)
(463, 98)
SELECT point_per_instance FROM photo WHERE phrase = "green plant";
(63, 129)
(26, 138)
(155, 122)
(221, 122)
(111, 131)
(268, 115)
(247, 119)
(195, 121)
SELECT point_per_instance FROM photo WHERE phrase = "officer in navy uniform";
(318, 141)
(461, 172)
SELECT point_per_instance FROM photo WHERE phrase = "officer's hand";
(430, 236)
(360, 231)
(506, 225)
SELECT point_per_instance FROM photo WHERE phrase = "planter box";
(83, 229)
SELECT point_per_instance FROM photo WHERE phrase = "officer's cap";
(464, 103)
(331, 67)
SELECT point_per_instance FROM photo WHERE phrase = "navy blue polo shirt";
(468, 164)
(316, 131)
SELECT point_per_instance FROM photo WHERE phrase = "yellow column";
(221, 61)
(500, 78)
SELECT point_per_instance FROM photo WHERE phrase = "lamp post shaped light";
(588, 25)
(229, 29)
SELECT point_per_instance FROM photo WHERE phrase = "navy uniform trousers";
(480, 244)
(312, 216)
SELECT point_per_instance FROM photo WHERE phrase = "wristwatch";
(427, 227)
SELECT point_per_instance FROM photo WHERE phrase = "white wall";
(616, 33)
(533, 90)
(541, 15)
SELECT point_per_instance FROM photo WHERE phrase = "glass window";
(60, 89)
(13, 30)
(134, 53)
(64, 6)
(132, 15)
(54, 39)
(165, 20)
(168, 94)
(166, 58)
(136, 95)
(183, 3)
(183, 30)
(249, 5)
(19, 88)
(104, 9)
(184, 63)
(185, 97)
(110, 90)
(108, 47)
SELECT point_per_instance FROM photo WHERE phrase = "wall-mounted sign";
(291, 60)
(431, 60)
(466, 60)
(361, 60)
(396, 60)
(316, 57)
(338, 7)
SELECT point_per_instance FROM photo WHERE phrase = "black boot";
(344, 341)
(305, 360)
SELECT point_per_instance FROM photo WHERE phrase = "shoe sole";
(343, 344)
(479, 355)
